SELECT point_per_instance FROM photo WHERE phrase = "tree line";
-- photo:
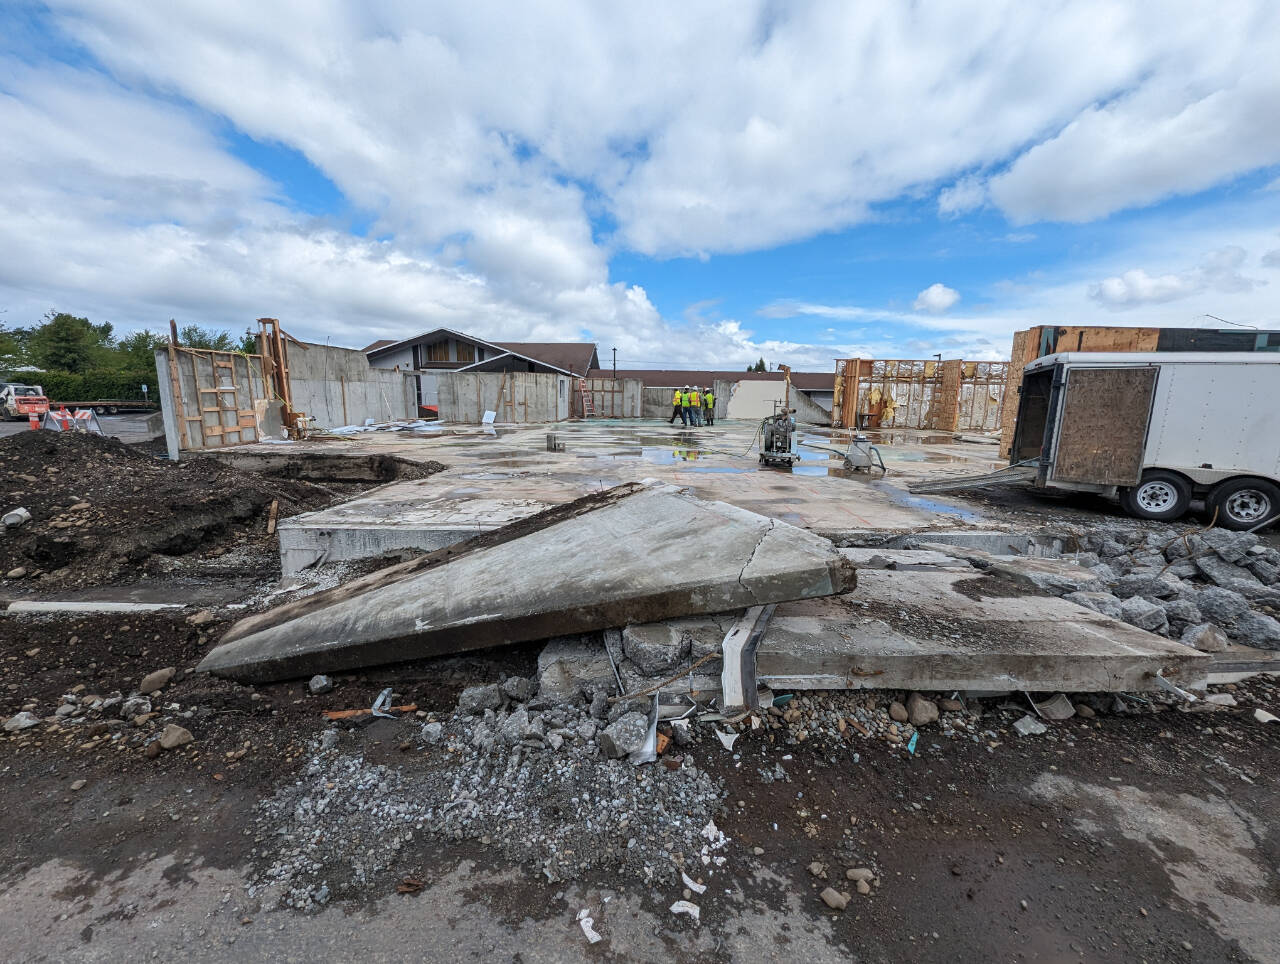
(77, 359)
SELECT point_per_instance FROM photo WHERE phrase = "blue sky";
(696, 185)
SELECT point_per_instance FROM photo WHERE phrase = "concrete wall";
(612, 397)
(466, 396)
(755, 400)
(336, 386)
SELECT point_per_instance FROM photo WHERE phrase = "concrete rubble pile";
(621, 557)
(1207, 589)
(539, 776)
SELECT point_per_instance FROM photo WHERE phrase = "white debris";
(1029, 726)
(692, 884)
(728, 739)
(1262, 716)
(588, 926)
(685, 907)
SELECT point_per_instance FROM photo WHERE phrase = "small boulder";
(1206, 637)
(921, 711)
(201, 618)
(16, 573)
(329, 739)
(320, 685)
(1144, 614)
(1181, 611)
(518, 688)
(1220, 606)
(1100, 602)
(21, 721)
(860, 873)
(625, 735)
(432, 733)
(155, 682)
(817, 868)
(863, 887)
(476, 699)
(898, 712)
(134, 706)
(174, 736)
(1257, 629)
(834, 899)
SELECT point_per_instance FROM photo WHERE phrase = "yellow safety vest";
(696, 400)
(678, 400)
(711, 399)
(684, 400)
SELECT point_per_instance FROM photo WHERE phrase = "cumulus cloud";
(936, 298)
(502, 154)
(1218, 271)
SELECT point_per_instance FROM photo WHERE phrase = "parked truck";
(1157, 430)
(22, 401)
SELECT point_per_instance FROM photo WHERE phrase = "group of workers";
(693, 407)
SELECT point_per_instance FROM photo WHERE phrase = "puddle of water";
(719, 468)
(929, 505)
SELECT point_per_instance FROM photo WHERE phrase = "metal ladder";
(586, 399)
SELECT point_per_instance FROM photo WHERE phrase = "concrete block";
(936, 632)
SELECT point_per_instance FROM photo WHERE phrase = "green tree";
(193, 336)
(249, 343)
(759, 366)
(70, 344)
(136, 351)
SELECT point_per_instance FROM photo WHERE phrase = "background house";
(442, 349)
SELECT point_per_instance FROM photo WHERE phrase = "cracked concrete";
(535, 587)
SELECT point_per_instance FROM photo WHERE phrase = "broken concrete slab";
(1046, 574)
(531, 583)
(881, 558)
(948, 631)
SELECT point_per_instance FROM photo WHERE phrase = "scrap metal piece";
(382, 704)
(738, 670)
(1177, 691)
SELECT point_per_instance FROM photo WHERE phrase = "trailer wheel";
(112, 409)
(100, 409)
(1245, 503)
(1162, 496)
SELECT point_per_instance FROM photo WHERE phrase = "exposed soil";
(101, 510)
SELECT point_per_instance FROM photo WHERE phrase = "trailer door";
(1102, 425)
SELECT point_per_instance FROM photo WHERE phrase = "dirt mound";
(100, 508)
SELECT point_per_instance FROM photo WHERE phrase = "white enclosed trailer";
(1157, 430)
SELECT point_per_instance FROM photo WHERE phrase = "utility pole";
(615, 363)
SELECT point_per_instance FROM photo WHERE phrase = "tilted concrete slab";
(954, 631)
(632, 554)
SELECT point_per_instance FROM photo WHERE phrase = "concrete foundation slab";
(948, 631)
(403, 515)
(535, 586)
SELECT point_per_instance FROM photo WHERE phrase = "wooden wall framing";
(930, 395)
(219, 397)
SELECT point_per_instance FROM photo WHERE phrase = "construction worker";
(677, 408)
(709, 405)
(695, 406)
(685, 413)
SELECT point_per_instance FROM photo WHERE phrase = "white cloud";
(1272, 258)
(1219, 271)
(936, 298)
(967, 194)
(489, 143)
